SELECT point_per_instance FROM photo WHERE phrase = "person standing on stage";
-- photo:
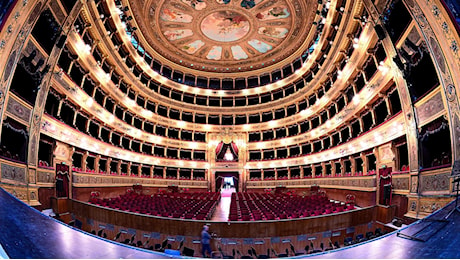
(206, 241)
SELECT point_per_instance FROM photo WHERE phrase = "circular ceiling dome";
(225, 26)
(225, 35)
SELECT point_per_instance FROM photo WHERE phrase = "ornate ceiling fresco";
(225, 35)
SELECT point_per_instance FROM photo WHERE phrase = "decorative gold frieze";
(431, 108)
(17, 191)
(16, 173)
(349, 183)
(400, 183)
(435, 183)
(88, 180)
(45, 176)
(19, 110)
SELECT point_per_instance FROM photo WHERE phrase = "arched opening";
(226, 181)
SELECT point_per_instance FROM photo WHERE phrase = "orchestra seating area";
(197, 205)
(261, 206)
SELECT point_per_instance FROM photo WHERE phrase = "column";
(365, 163)
(372, 111)
(118, 170)
(96, 163)
(108, 166)
(388, 106)
(361, 125)
(99, 132)
(353, 165)
(59, 108)
(71, 66)
(333, 171)
(323, 169)
(95, 43)
(128, 171)
(342, 167)
(74, 119)
(84, 162)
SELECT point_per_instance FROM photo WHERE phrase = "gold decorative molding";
(400, 183)
(45, 177)
(28, 195)
(93, 180)
(385, 133)
(386, 155)
(18, 109)
(435, 182)
(73, 137)
(442, 40)
(13, 173)
(420, 207)
(430, 107)
(17, 191)
(366, 183)
(153, 21)
(377, 84)
(63, 152)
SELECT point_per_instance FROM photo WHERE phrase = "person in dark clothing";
(205, 241)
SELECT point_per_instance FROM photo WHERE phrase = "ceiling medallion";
(228, 35)
(225, 26)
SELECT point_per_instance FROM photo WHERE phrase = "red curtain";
(219, 148)
(219, 181)
(62, 180)
(222, 149)
(235, 148)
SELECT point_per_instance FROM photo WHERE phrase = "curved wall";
(34, 129)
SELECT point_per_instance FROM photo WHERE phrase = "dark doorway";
(220, 176)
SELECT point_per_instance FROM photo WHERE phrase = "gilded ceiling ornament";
(226, 35)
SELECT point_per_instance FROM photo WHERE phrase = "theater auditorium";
(290, 128)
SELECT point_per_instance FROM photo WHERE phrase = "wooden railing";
(235, 229)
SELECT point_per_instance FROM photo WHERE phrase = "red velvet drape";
(219, 148)
(235, 148)
(62, 180)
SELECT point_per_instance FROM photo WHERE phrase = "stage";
(435, 237)
(27, 233)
